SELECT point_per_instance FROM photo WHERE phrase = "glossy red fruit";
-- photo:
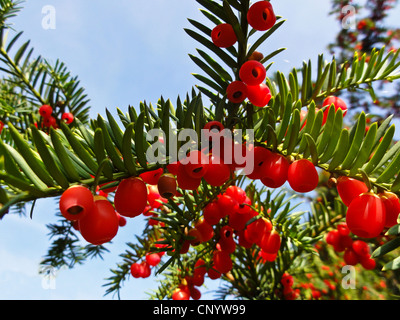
(213, 274)
(194, 237)
(343, 229)
(226, 241)
(67, 117)
(130, 197)
(151, 177)
(259, 95)
(267, 257)
(50, 122)
(223, 35)
(271, 242)
(261, 154)
(145, 270)
(366, 216)
(236, 92)
(196, 164)
(349, 188)
(261, 16)
(184, 181)
(153, 259)
(206, 230)
(368, 263)
(236, 193)
(99, 225)
(135, 270)
(332, 237)
(274, 171)
(303, 176)
(167, 185)
(217, 173)
(195, 293)
(212, 213)
(392, 206)
(361, 248)
(181, 293)
(45, 111)
(121, 220)
(350, 257)
(255, 230)
(222, 261)
(287, 280)
(252, 73)
(75, 202)
(227, 204)
(154, 198)
(338, 103)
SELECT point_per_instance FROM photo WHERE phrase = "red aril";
(67, 117)
(184, 181)
(252, 73)
(217, 173)
(274, 171)
(392, 207)
(349, 188)
(337, 102)
(45, 111)
(261, 16)
(195, 293)
(236, 92)
(75, 202)
(259, 95)
(302, 176)
(368, 263)
(153, 259)
(206, 230)
(271, 242)
(130, 198)
(366, 216)
(332, 237)
(99, 225)
(223, 35)
(261, 154)
(151, 177)
(255, 230)
(180, 294)
(135, 270)
(222, 261)
(212, 213)
(154, 198)
(361, 248)
(350, 257)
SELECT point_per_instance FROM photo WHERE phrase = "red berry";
(151, 177)
(368, 263)
(153, 259)
(343, 229)
(195, 293)
(274, 171)
(252, 73)
(214, 125)
(361, 248)
(271, 242)
(121, 220)
(332, 237)
(302, 176)
(131, 197)
(287, 280)
(236, 92)
(236, 193)
(144, 271)
(338, 103)
(154, 199)
(261, 154)
(350, 257)
(366, 216)
(68, 117)
(392, 207)
(223, 35)
(349, 188)
(206, 230)
(184, 181)
(222, 261)
(255, 230)
(99, 225)
(45, 111)
(195, 164)
(50, 122)
(213, 273)
(217, 173)
(212, 213)
(136, 270)
(259, 95)
(261, 16)
(76, 202)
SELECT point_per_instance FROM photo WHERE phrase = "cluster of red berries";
(143, 269)
(187, 288)
(49, 121)
(252, 73)
(274, 169)
(289, 293)
(368, 214)
(355, 251)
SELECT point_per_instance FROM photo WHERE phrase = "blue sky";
(124, 53)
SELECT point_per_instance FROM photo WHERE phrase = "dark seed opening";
(254, 73)
(237, 94)
(75, 210)
(265, 15)
(197, 169)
